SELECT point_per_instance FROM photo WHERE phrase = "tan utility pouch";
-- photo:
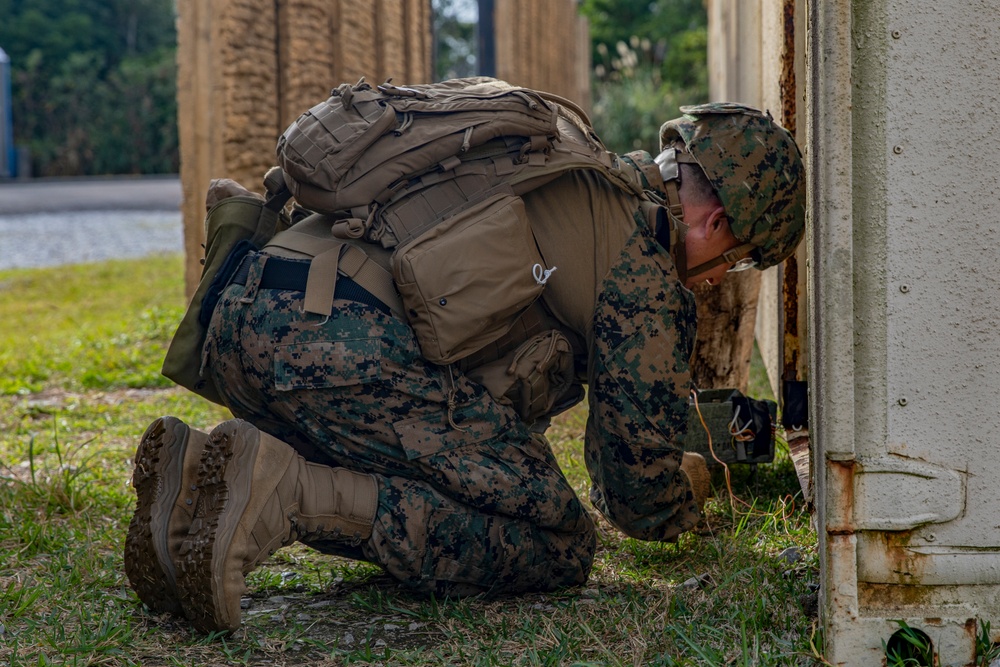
(531, 378)
(465, 282)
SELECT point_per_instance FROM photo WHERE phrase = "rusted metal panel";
(727, 315)
(792, 341)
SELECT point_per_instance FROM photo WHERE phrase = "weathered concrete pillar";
(248, 68)
(544, 45)
(904, 303)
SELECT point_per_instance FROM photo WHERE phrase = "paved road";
(62, 221)
(151, 193)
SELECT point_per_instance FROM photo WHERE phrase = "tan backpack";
(417, 198)
(434, 172)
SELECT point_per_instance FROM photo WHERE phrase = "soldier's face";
(708, 237)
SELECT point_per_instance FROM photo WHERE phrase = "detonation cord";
(742, 435)
(711, 449)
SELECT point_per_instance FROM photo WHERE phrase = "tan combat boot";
(257, 495)
(166, 466)
(696, 470)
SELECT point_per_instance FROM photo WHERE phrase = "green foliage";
(986, 651)
(454, 39)
(909, 647)
(686, 64)
(649, 59)
(613, 21)
(674, 34)
(138, 123)
(65, 504)
(632, 99)
(94, 84)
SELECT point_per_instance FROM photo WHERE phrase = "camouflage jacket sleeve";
(643, 332)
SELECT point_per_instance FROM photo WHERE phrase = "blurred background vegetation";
(93, 84)
(94, 81)
(649, 58)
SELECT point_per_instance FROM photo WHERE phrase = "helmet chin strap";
(731, 256)
(671, 174)
(678, 233)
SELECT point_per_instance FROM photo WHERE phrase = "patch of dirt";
(296, 628)
(57, 399)
(333, 621)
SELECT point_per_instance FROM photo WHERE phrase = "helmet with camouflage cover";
(755, 168)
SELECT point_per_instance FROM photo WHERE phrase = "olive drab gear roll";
(435, 173)
(756, 169)
(238, 221)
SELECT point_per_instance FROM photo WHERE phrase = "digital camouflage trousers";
(469, 500)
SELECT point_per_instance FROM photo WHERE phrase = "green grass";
(79, 358)
(88, 327)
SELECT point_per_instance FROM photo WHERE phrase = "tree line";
(94, 81)
(649, 57)
(93, 84)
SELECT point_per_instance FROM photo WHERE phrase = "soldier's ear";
(717, 222)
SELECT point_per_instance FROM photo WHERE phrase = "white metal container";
(904, 147)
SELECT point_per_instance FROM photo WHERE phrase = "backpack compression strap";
(332, 256)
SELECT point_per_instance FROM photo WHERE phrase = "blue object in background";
(7, 161)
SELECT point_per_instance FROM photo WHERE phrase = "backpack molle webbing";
(368, 145)
(346, 151)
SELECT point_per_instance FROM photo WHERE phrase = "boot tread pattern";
(151, 582)
(196, 582)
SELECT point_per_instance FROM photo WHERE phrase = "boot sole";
(159, 462)
(225, 478)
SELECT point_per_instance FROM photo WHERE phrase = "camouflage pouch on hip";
(238, 221)
(531, 378)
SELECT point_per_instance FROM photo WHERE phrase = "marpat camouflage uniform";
(470, 500)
